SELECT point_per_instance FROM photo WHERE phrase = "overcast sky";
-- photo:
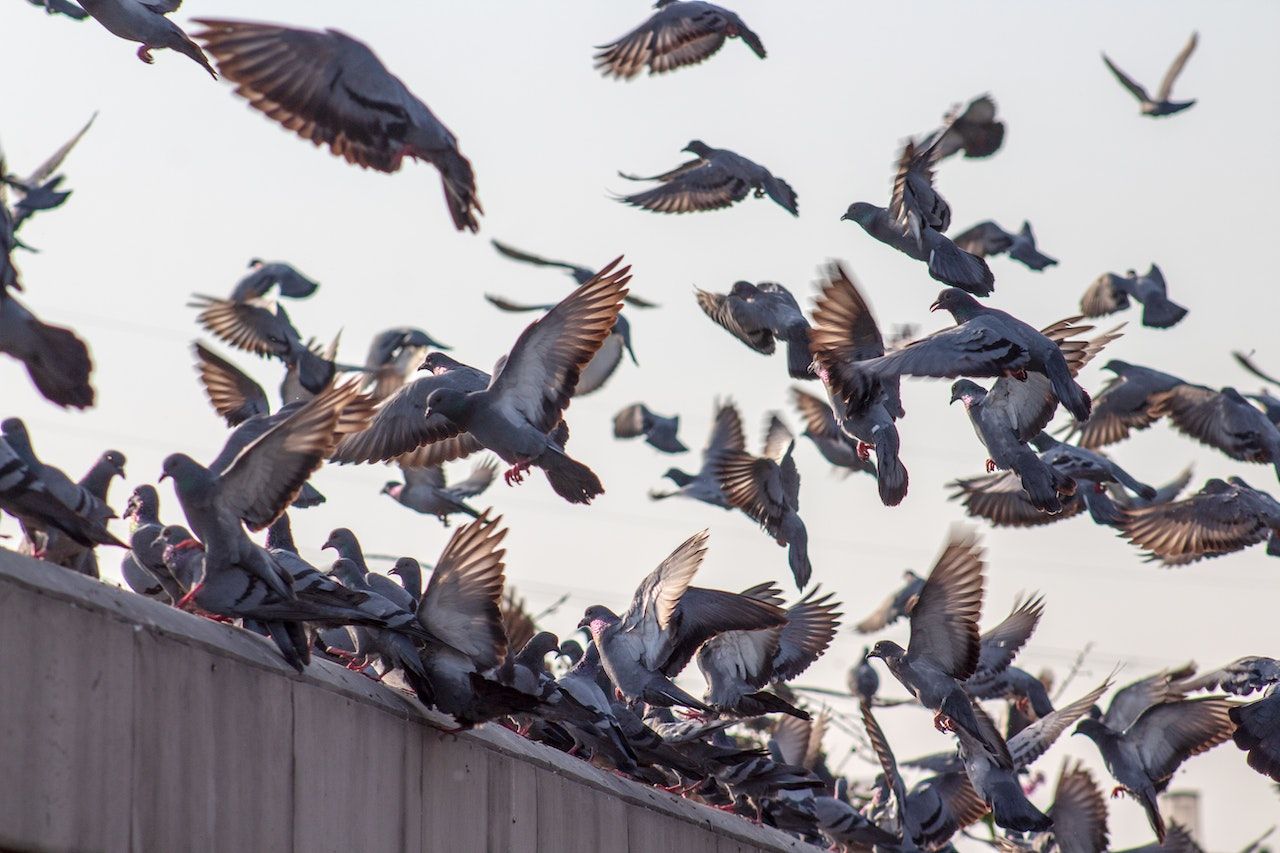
(179, 183)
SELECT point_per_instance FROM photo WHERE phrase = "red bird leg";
(864, 450)
(515, 474)
(144, 53)
(991, 465)
(1099, 488)
(1119, 791)
(941, 723)
(189, 597)
(727, 807)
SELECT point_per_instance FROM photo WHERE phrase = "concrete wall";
(128, 725)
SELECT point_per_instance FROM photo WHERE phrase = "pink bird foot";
(991, 465)
(942, 723)
(1118, 791)
(515, 474)
(864, 450)
(144, 53)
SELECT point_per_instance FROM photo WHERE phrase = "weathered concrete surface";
(126, 725)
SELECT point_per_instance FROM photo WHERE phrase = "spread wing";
(673, 37)
(704, 185)
(811, 626)
(984, 239)
(944, 622)
(1125, 80)
(1179, 62)
(1105, 296)
(1000, 499)
(748, 320)
(1001, 644)
(1217, 520)
(460, 603)
(233, 394)
(1169, 734)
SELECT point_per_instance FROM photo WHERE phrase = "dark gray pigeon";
(759, 315)
(393, 642)
(1223, 420)
(998, 786)
(899, 604)
(1221, 518)
(945, 646)
(863, 680)
(580, 274)
(1082, 464)
(726, 437)
(1110, 293)
(1079, 811)
(146, 23)
(680, 33)
(1160, 105)
(347, 546)
(56, 359)
(821, 428)
(41, 188)
(845, 334)
(659, 431)
(43, 498)
(1001, 644)
(1123, 405)
(265, 275)
(914, 204)
(987, 238)
(97, 481)
(1258, 733)
(667, 622)
(61, 7)
(717, 178)
(975, 130)
(333, 90)
(425, 490)
(393, 357)
(518, 413)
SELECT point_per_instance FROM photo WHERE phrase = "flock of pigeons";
(463, 644)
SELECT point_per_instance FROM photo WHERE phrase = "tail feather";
(664, 693)
(60, 366)
(1147, 797)
(950, 264)
(958, 707)
(1102, 509)
(1161, 313)
(1040, 482)
(571, 480)
(459, 182)
(764, 702)
(1067, 390)
(1012, 810)
(799, 359)
(891, 474)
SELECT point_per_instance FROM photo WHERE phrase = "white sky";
(179, 183)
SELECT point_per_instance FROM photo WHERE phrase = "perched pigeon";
(333, 90)
(987, 238)
(97, 481)
(134, 20)
(680, 33)
(760, 314)
(580, 274)
(424, 490)
(142, 511)
(1110, 293)
(899, 604)
(1223, 420)
(268, 274)
(1220, 518)
(845, 334)
(393, 357)
(517, 414)
(343, 542)
(1160, 105)
(726, 437)
(974, 130)
(43, 498)
(717, 178)
(659, 431)
(944, 649)
(1123, 405)
(821, 428)
(392, 641)
(667, 622)
(56, 359)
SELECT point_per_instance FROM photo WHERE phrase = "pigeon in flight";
(975, 130)
(987, 238)
(61, 7)
(424, 490)
(899, 604)
(1160, 105)
(1223, 420)
(265, 275)
(333, 90)
(680, 33)
(57, 361)
(726, 437)
(759, 315)
(717, 178)
(135, 20)
(659, 431)
(578, 273)
(821, 428)
(1123, 405)
(41, 188)
(394, 354)
(1110, 293)
(1221, 518)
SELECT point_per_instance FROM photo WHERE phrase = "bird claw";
(515, 474)
(942, 723)
(864, 450)
(1020, 374)
(1119, 791)
(1099, 488)
(991, 465)
(144, 53)
(691, 714)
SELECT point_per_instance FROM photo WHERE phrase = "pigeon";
(646, 647)
(914, 204)
(974, 131)
(333, 90)
(821, 428)
(347, 546)
(1143, 755)
(392, 641)
(1083, 464)
(1001, 644)
(43, 498)
(987, 342)
(659, 431)
(1110, 293)
(56, 359)
(863, 680)
(258, 483)
(760, 314)
(1245, 360)
(67, 552)
(1239, 678)
(767, 490)
(393, 357)
(1160, 105)
(726, 437)
(1257, 732)
(845, 334)
(718, 178)
(1123, 405)
(1164, 494)
(944, 649)
(1079, 811)
(578, 690)
(41, 188)
(680, 33)
(409, 571)
(899, 604)
(1223, 517)
(1000, 499)
(998, 786)
(424, 490)
(987, 238)
(61, 7)
(135, 20)
(1224, 420)
(738, 664)
(268, 274)
(580, 274)
(516, 415)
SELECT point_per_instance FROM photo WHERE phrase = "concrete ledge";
(127, 725)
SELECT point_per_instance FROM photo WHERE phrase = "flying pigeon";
(61, 7)
(56, 359)
(974, 130)
(759, 315)
(265, 275)
(580, 274)
(134, 20)
(1160, 105)
(1110, 293)
(680, 33)
(717, 178)
(726, 437)
(1220, 518)
(659, 431)
(1123, 405)
(987, 238)
(41, 188)
(1258, 732)
(393, 357)
(424, 490)
(998, 786)
(333, 90)
(863, 681)
(899, 604)
(1224, 420)
(821, 428)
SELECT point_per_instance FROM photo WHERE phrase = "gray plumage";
(759, 315)
(1223, 517)
(973, 130)
(899, 604)
(998, 786)
(1123, 405)
(821, 428)
(333, 90)
(61, 7)
(659, 431)
(580, 274)
(56, 359)
(40, 189)
(265, 275)
(1223, 420)
(424, 490)
(345, 544)
(134, 20)
(987, 238)
(1000, 645)
(1161, 104)
(1110, 293)
(43, 498)
(726, 437)
(680, 33)
(393, 356)
(1239, 678)
(1089, 466)
(1257, 732)
(718, 178)
(863, 681)
(947, 262)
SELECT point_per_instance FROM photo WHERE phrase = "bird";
(718, 178)
(394, 354)
(135, 20)
(41, 188)
(56, 359)
(863, 681)
(987, 238)
(61, 7)
(333, 90)
(1110, 293)
(424, 490)
(516, 414)
(1223, 517)
(759, 315)
(579, 273)
(998, 786)
(1257, 732)
(343, 542)
(1223, 420)
(1161, 105)
(1123, 405)
(944, 648)
(668, 620)
(65, 551)
(821, 428)
(898, 605)
(845, 334)
(264, 275)
(680, 33)
(726, 437)
(659, 431)
(974, 130)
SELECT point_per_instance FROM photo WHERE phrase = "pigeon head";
(1092, 728)
(961, 305)
(1234, 396)
(254, 263)
(417, 338)
(697, 146)
(406, 567)
(346, 572)
(571, 649)
(438, 362)
(450, 403)
(861, 212)
(744, 290)
(15, 432)
(1117, 366)
(596, 618)
(342, 540)
(680, 478)
(185, 472)
(622, 329)
(143, 503)
(888, 651)
(114, 460)
(280, 535)
(539, 646)
(969, 391)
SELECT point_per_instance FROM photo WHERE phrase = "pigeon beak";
(845, 216)
(164, 475)
(935, 306)
(583, 624)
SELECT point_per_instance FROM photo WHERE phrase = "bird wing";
(1211, 418)
(437, 452)
(601, 366)
(746, 654)
(811, 626)
(1000, 645)
(1079, 811)
(1105, 296)
(504, 304)
(984, 239)
(1117, 410)
(233, 394)
(673, 37)
(704, 185)
(753, 485)
(944, 622)
(970, 349)
(46, 169)
(460, 603)
(777, 438)
(748, 320)
(1216, 520)
(1170, 733)
(659, 594)
(1132, 699)
(431, 476)
(481, 477)
(632, 421)
(884, 752)
(1000, 499)
(1034, 740)
(816, 414)
(537, 260)
(258, 326)
(914, 204)
(1246, 361)
(541, 373)
(1125, 80)
(844, 329)
(726, 433)
(1179, 62)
